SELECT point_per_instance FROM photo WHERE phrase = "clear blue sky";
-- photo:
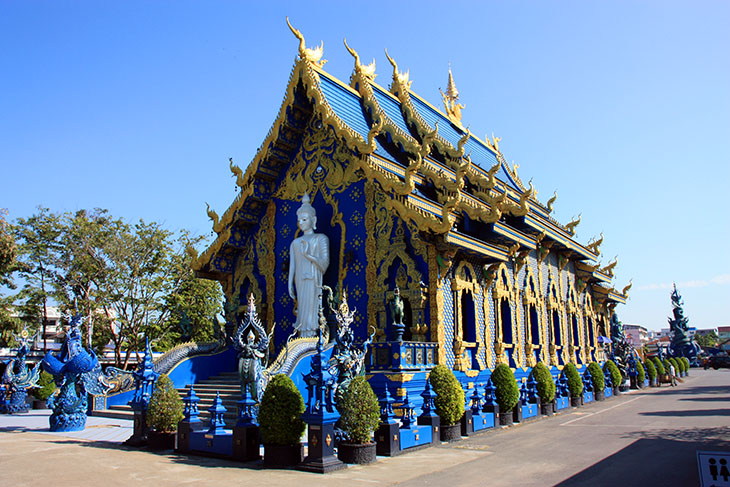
(623, 107)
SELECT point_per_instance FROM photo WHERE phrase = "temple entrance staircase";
(227, 384)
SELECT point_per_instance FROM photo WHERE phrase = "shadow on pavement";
(665, 461)
(689, 412)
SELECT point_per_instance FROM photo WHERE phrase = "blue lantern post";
(467, 420)
(386, 436)
(246, 431)
(429, 417)
(320, 416)
(190, 423)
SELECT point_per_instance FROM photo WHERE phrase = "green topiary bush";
(575, 384)
(659, 366)
(681, 363)
(449, 400)
(360, 411)
(666, 364)
(597, 378)
(280, 412)
(686, 364)
(677, 368)
(650, 369)
(545, 383)
(46, 386)
(166, 407)
(612, 369)
(640, 373)
(505, 388)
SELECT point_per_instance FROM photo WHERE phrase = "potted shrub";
(449, 401)
(598, 381)
(651, 371)
(679, 365)
(46, 387)
(164, 412)
(640, 374)
(506, 392)
(686, 365)
(280, 420)
(360, 415)
(575, 384)
(545, 388)
(616, 378)
(660, 371)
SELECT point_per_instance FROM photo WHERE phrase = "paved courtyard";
(645, 437)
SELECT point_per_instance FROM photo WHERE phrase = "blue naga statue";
(18, 378)
(682, 345)
(77, 373)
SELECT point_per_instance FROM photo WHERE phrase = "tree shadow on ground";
(186, 459)
(689, 412)
(680, 389)
(662, 457)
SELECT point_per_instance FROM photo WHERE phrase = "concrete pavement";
(643, 438)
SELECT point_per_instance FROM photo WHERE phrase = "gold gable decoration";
(451, 104)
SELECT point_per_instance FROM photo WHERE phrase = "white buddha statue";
(309, 257)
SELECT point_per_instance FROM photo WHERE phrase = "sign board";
(714, 468)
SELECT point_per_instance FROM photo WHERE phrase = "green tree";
(8, 266)
(38, 240)
(708, 340)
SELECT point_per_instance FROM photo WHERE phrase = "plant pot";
(600, 395)
(358, 453)
(282, 456)
(161, 440)
(616, 391)
(652, 382)
(39, 404)
(576, 402)
(505, 419)
(546, 409)
(451, 432)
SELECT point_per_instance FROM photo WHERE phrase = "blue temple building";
(410, 199)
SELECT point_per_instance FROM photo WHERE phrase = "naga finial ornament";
(237, 172)
(608, 270)
(399, 79)
(551, 202)
(366, 71)
(313, 56)
(627, 287)
(594, 245)
(214, 218)
(570, 227)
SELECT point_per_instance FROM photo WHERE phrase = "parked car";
(717, 361)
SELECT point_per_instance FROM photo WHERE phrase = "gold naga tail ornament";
(608, 270)
(551, 202)
(314, 56)
(570, 227)
(237, 172)
(594, 245)
(401, 80)
(627, 287)
(214, 218)
(366, 71)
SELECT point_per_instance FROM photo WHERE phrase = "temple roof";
(412, 147)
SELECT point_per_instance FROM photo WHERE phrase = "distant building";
(637, 335)
(723, 333)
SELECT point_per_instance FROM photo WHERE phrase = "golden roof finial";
(314, 56)
(399, 79)
(367, 71)
(453, 109)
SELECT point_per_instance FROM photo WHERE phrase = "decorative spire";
(451, 92)
(453, 109)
